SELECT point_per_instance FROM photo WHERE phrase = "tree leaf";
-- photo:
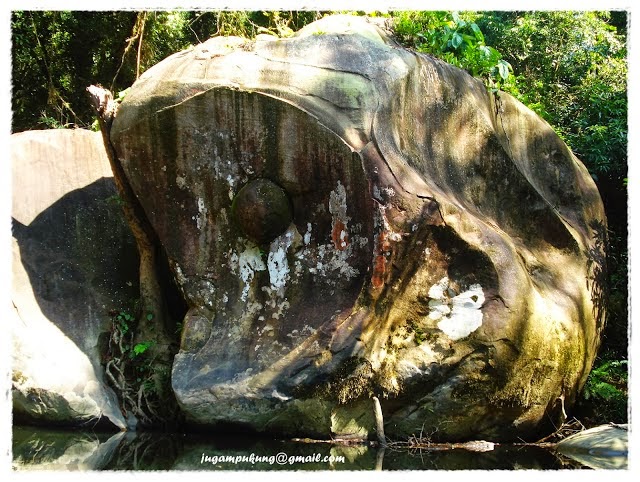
(477, 32)
(503, 69)
(456, 40)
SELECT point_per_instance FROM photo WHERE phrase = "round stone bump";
(262, 209)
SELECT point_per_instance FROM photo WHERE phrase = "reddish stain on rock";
(340, 236)
(379, 261)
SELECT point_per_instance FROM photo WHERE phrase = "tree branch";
(150, 289)
(142, 24)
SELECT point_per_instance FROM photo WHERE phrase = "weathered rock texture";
(73, 261)
(442, 247)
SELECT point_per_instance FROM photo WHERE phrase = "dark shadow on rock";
(82, 262)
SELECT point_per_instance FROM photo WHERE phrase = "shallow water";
(35, 448)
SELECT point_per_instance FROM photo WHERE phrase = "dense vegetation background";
(569, 67)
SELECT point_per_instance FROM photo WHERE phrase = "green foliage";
(123, 319)
(607, 390)
(52, 123)
(122, 94)
(164, 34)
(57, 54)
(149, 386)
(141, 348)
(571, 68)
(604, 380)
(457, 39)
(248, 24)
(130, 367)
(124, 327)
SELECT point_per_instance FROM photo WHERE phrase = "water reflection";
(36, 449)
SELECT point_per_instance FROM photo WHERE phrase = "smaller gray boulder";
(74, 259)
(603, 447)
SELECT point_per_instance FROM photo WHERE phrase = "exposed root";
(130, 389)
(567, 429)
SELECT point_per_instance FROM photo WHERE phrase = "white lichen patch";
(228, 170)
(278, 267)
(231, 182)
(361, 241)
(298, 336)
(201, 218)
(334, 262)
(248, 263)
(180, 277)
(384, 194)
(280, 309)
(437, 291)
(277, 395)
(339, 217)
(270, 352)
(459, 315)
(265, 329)
(389, 192)
(438, 309)
(376, 193)
(343, 239)
(307, 235)
(181, 182)
(390, 233)
(338, 203)
(277, 262)
(331, 262)
(205, 291)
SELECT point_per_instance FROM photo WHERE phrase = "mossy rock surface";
(444, 236)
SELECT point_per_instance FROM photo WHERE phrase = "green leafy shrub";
(604, 397)
(457, 39)
(604, 380)
(571, 68)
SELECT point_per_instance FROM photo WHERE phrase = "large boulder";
(348, 219)
(74, 260)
